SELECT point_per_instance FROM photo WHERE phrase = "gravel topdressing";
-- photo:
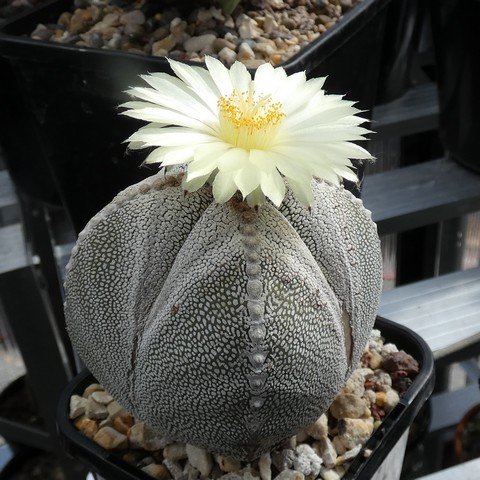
(323, 450)
(258, 31)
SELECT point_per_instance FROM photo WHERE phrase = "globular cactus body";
(219, 325)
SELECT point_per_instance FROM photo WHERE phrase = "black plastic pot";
(73, 94)
(402, 35)
(381, 443)
(457, 49)
(19, 419)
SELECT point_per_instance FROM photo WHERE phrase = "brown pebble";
(395, 361)
(64, 19)
(94, 387)
(81, 20)
(157, 471)
(324, 19)
(166, 44)
(110, 439)
(123, 423)
(87, 426)
(220, 43)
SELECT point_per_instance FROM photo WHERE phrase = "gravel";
(323, 450)
(258, 31)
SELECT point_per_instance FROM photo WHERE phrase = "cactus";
(209, 300)
(220, 325)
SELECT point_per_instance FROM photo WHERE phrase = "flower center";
(248, 122)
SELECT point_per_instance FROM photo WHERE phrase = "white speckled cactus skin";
(218, 325)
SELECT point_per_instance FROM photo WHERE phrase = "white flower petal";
(170, 155)
(302, 191)
(232, 160)
(195, 184)
(273, 186)
(266, 80)
(196, 82)
(291, 168)
(224, 187)
(166, 117)
(240, 77)
(346, 173)
(262, 160)
(303, 96)
(256, 198)
(247, 180)
(220, 75)
(153, 136)
(322, 133)
(175, 95)
(288, 85)
(347, 149)
(319, 116)
(206, 159)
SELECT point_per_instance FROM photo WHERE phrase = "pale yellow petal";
(224, 187)
(273, 186)
(262, 160)
(247, 180)
(206, 159)
(232, 160)
(170, 155)
(256, 198)
(195, 184)
(302, 191)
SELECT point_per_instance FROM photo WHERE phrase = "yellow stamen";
(247, 122)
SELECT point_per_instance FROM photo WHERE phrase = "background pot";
(457, 49)
(71, 96)
(470, 421)
(388, 443)
(402, 35)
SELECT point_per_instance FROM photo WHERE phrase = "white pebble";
(245, 52)
(349, 455)
(307, 461)
(174, 468)
(227, 55)
(283, 460)
(326, 451)
(265, 466)
(175, 451)
(290, 475)
(318, 429)
(228, 464)
(388, 348)
(195, 44)
(327, 474)
(77, 406)
(200, 459)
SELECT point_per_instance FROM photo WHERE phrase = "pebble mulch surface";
(9, 8)
(257, 32)
(323, 450)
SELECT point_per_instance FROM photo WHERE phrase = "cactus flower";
(247, 135)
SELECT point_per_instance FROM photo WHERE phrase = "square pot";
(387, 444)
